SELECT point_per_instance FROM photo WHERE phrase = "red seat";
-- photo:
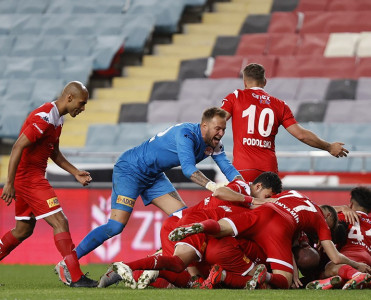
(312, 44)
(252, 44)
(354, 21)
(347, 5)
(316, 66)
(314, 22)
(268, 61)
(363, 67)
(282, 43)
(227, 66)
(282, 22)
(312, 5)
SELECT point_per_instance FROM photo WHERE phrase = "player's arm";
(337, 258)
(15, 157)
(81, 176)
(310, 138)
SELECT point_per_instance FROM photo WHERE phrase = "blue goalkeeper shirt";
(179, 145)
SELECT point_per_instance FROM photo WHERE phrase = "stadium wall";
(90, 207)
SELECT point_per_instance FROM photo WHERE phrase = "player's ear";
(70, 98)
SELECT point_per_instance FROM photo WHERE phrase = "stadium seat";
(341, 44)
(312, 5)
(32, 7)
(223, 87)
(341, 89)
(158, 111)
(32, 25)
(191, 111)
(165, 90)
(253, 44)
(49, 68)
(343, 5)
(314, 22)
(282, 44)
(225, 45)
(363, 90)
(103, 50)
(282, 22)
(284, 5)
(311, 88)
(192, 68)
(101, 136)
(12, 122)
(19, 68)
(311, 112)
(9, 22)
(363, 67)
(77, 68)
(355, 21)
(312, 44)
(6, 45)
(363, 48)
(45, 90)
(255, 24)
(353, 111)
(196, 88)
(283, 88)
(133, 112)
(227, 66)
(8, 7)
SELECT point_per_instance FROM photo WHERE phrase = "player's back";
(256, 117)
(359, 234)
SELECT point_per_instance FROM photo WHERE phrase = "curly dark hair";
(270, 180)
(362, 195)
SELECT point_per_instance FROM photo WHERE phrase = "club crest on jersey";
(52, 202)
(209, 151)
(125, 201)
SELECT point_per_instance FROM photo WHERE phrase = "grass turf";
(40, 282)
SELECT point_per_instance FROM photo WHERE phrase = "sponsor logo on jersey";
(209, 151)
(125, 201)
(256, 142)
(52, 202)
(263, 99)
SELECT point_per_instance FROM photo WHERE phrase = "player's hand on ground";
(350, 215)
(8, 193)
(337, 150)
(83, 177)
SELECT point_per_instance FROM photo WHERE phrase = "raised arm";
(310, 138)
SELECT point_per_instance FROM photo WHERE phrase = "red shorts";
(228, 253)
(275, 239)
(167, 226)
(357, 254)
(40, 202)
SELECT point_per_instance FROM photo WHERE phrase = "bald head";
(76, 89)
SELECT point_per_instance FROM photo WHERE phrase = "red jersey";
(302, 213)
(42, 127)
(256, 116)
(359, 234)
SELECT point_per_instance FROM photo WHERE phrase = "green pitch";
(39, 282)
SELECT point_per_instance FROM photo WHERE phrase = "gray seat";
(313, 89)
(255, 24)
(352, 111)
(19, 90)
(165, 90)
(363, 90)
(341, 89)
(311, 112)
(46, 90)
(102, 137)
(80, 46)
(77, 68)
(284, 5)
(6, 45)
(192, 68)
(48, 67)
(191, 111)
(194, 88)
(163, 111)
(27, 45)
(133, 112)
(225, 45)
(8, 7)
(223, 87)
(102, 50)
(283, 88)
(19, 68)
(11, 123)
(32, 25)
(32, 7)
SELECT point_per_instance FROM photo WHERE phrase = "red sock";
(180, 280)
(346, 272)
(7, 243)
(211, 226)
(158, 262)
(235, 281)
(279, 281)
(64, 244)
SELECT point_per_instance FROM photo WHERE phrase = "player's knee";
(113, 228)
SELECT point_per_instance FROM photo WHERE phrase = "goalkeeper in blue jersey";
(140, 171)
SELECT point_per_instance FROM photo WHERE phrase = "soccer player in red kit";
(357, 247)
(273, 227)
(256, 117)
(26, 183)
(177, 256)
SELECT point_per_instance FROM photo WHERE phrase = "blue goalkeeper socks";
(97, 236)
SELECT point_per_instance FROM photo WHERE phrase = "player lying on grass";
(273, 226)
(177, 256)
(357, 247)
